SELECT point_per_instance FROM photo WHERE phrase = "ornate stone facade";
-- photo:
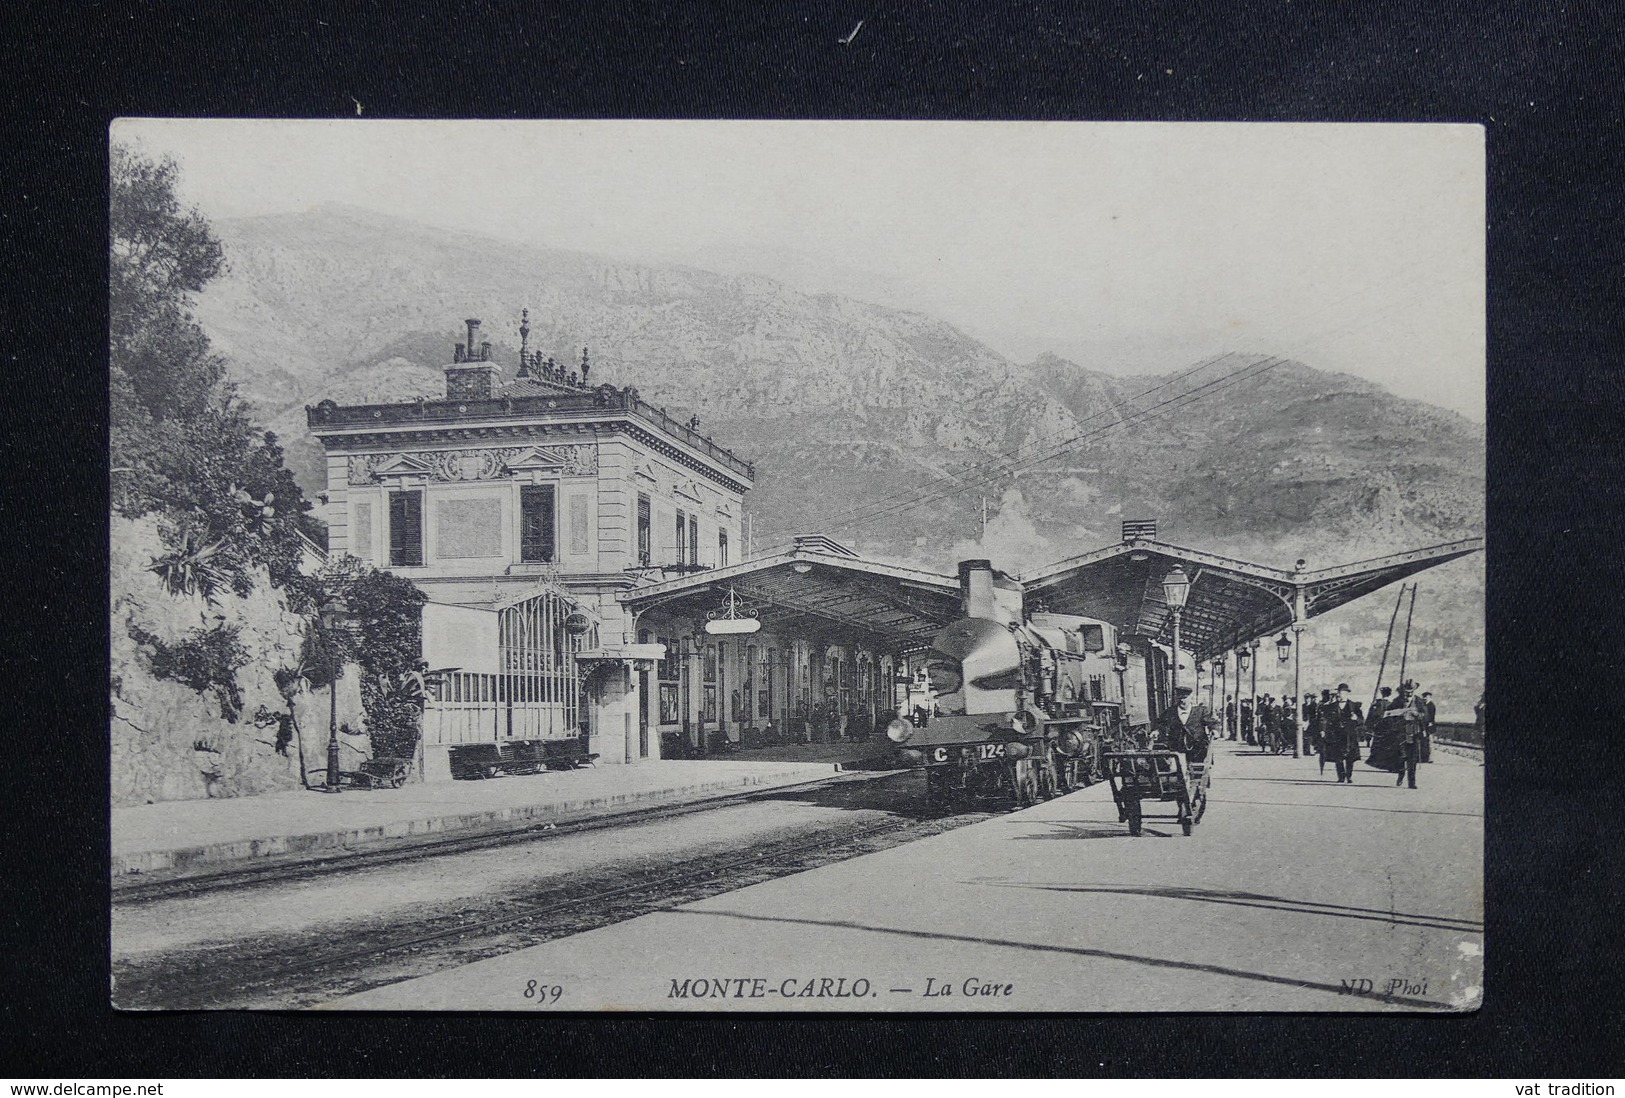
(487, 463)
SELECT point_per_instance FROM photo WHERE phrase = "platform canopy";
(812, 592)
(1231, 602)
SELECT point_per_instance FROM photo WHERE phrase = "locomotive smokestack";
(986, 592)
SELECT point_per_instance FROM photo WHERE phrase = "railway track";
(261, 975)
(148, 889)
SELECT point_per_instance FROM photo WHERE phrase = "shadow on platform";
(1217, 799)
(1083, 831)
(1268, 903)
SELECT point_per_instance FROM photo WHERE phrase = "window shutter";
(645, 523)
(536, 523)
(406, 528)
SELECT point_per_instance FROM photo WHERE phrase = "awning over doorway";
(623, 653)
(1231, 602)
(809, 593)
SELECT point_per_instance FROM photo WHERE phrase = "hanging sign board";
(732, 625)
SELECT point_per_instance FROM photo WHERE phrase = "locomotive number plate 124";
(975, 752)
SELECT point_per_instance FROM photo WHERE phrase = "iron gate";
(537, 693)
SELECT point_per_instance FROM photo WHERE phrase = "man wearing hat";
(1315, 724)
(1400, 729)
(1430, 718)
(1341, 722)
(1185, 725)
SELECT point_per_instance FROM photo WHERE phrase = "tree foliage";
(384, 637)
(182, 443)
(183, 447)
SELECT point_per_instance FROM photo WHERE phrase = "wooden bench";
(473, 761)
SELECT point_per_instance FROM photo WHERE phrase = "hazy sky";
(1128, 247)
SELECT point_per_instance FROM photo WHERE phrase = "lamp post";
(1283, 652)
(334, 616)
(1176, 587)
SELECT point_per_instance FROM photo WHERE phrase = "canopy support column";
(1299, 613)
(1235, 733)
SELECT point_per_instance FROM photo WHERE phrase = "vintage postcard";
(797, 566)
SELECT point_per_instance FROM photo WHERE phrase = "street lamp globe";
(1176, 585)
(1283, 648)
(1245, 656)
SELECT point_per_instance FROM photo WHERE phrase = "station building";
(531, 509)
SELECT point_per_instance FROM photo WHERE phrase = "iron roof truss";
(1231, 602)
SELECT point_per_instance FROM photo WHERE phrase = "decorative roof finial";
(586, 367)
(524, 332)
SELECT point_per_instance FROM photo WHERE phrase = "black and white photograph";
(797, 566)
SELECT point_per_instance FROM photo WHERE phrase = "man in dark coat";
(1393, 747)
(1411, 716)
(1185, 726)
(1341, 721)
(1314, 715)
(1430, 718)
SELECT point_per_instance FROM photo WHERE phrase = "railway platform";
(180, 837)
(1295, 893)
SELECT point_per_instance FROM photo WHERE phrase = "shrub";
(205, 660)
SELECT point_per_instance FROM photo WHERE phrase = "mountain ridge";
(349, 303)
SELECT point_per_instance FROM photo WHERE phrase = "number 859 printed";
(542, 994)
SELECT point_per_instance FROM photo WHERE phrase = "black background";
(1543, 80)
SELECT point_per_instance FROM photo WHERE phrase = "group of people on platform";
(1395, 735)
(1268, 724)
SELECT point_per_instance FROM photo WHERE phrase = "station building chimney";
(472, 375)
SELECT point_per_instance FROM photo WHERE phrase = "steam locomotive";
(1012, 706)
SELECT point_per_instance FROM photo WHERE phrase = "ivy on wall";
(383, 635)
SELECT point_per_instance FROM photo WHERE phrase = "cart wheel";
(1134, 819)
